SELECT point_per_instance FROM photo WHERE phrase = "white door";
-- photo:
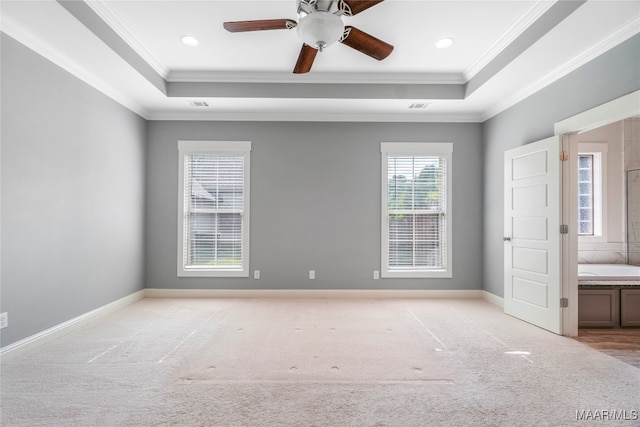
(532, 239)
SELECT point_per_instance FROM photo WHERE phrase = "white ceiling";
(500, 50)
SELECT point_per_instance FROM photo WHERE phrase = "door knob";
(506, 239)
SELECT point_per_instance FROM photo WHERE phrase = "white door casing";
(618, 109)
(532, 239)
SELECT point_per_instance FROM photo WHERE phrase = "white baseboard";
(493, 299)
(48, 335)
(310, 293)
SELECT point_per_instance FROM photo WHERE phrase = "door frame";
(619, 109)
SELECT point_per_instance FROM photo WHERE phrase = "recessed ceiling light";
(444, 43)
(189, 41)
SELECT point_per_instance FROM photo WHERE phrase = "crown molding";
(530, 16)
(316, 117)
(45, 50)
(112, 19)
(188, 76)
(623, 34)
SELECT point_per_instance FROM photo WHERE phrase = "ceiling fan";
(319, 26)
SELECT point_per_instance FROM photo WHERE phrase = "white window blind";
(416, 205)
(214, 211)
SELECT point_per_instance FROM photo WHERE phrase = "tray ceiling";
(503, 51)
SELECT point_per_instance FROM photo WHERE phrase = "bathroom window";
(591, 191)
(585, 194)
(416, 209)
(214, 209)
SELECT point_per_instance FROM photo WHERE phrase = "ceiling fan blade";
(357, 6)
(305, 59)
(260, 25)
(366, 43)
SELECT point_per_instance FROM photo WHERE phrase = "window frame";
(591, 194)
(599, 188)
(189, 147)
(417, 149)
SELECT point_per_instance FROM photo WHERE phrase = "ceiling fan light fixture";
(320, 29)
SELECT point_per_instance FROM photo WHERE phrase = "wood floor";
(623, 344)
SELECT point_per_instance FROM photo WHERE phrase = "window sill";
(416, 274)
(201, 272)
(592, 239)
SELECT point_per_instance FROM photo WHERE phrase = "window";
(416, 207)
(214, 209)
(591, 191)
(585, 194)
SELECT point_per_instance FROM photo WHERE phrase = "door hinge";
(564, 156)
(564, 229)
(564, 302)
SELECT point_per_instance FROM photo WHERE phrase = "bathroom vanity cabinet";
(608, 306)
(629, 307)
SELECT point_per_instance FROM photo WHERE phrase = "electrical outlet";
(4, 320)
(312, 274)
(376, 274)
(256, 274)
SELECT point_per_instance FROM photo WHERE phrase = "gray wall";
(610, 76)
(74, 165)
(72, 175)
(315, 203)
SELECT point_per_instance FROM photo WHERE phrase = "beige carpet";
(316, 362)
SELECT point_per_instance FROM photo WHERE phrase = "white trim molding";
(493, 299)
(419, 116)
(45, 50)
(413, 150)
(111, 18)
(613, 111)
(570, 65)
(205, 76)
(240, 150)
(530, 16)
(618, 109)
(314, 293)
(20, 347)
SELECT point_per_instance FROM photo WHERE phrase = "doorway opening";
(608, 228)
(596, 199)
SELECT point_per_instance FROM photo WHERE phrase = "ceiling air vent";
(198, 104)
(418, 106)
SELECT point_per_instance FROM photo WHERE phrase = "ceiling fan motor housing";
(319, 26)
(336, 7)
